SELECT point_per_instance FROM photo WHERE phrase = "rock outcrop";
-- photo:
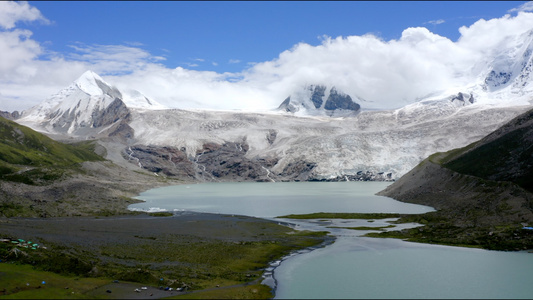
(215, 162)
(463, 99)
(167, 161)
(312, 100)
(10, 115)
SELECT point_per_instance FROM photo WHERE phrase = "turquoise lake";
(355, 266)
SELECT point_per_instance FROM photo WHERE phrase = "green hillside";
(482, 192)
(33, 158)
(505, 155)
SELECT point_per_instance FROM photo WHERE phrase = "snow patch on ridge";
(92, 84)
(135, 99)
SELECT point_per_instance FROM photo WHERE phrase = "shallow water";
(355, 266)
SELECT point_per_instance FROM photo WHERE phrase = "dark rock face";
(169, 161)
(317, 95)
(215, 162)
(359, 176)
(463, 99)
(228, 162)
(117, 110)
(496, 79)
(504, 157)
(337, 100)
(271, 136)
(122, 131)
(337, 103)
(10, 115)
(299, 171)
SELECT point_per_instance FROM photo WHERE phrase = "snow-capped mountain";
(275, 145)
(512, 66)
(319, 100)
(88, 103)
(317, 133)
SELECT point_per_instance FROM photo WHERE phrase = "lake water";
(272, 199)
(355, 266)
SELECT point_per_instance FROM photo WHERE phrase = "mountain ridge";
(483, 191)
(338, 147)
(319, 126)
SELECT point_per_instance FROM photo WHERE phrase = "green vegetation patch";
(440, 228)
(493, 160)
(205, 262)
(161, 214)
(25, 282)
(221, 256)
(30, 157)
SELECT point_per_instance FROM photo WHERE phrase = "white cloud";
(234, 61)
(12, 12)
(182, 88)
(436, 22)
(528, 6)
(112, 58)
(484, 36)
(387, 74)
(17, 50)
(390, 74)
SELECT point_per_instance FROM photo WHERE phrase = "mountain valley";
(268, 146)
(318, 133)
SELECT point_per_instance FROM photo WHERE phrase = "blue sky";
(249, 54)
(227, 36)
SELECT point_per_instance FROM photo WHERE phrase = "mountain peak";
(92, 84)
(89, 74)
(320, 100)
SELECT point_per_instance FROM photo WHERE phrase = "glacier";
(318, 131)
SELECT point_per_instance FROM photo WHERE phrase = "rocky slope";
(387, 142)
(40, 177)
(319, 133)
(483, 192)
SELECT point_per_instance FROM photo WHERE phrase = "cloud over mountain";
(387, 74)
